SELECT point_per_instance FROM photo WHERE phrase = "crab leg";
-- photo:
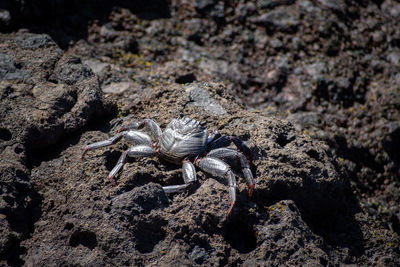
(189, 176)
(225, 141)
(233, 157)
(133, 152)
(149, 124)
(212, 136)
(103, 143)
(220, 169)
(120, 163)
(134, 137)
(138, 138)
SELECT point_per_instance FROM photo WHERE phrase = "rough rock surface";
(92, 222)
(330, 67)
(62, 210)
(40, 102)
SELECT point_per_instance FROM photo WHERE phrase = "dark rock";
(34, 41)
(203, 5)
(270, 4)
(391, 143)
(338, 5)
(282, 236)
(188, 78)
(136, 219)
(198, 255)
(53, 108)
(283, 19)
(391, 8)
(328, 66)
(218, 14)
(19, 203)
(5, 20)
(9, 69)
(71, 71)
(140, 200)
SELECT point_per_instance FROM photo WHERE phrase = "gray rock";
(117, 88)
(202, 5)
(317, 69)
(285, 19)
(34, 41)
(270, 4)
(308, 6)
(198, 255)
(338, 5)
(276, 43)
(140, 200)
(9, 69)
(71, 71)
(391, 8)
(394, 58)
(201, 98)
(281, 238)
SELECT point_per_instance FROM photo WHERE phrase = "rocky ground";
(311, 86)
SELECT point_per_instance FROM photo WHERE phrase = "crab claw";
(243, 148)
(251, 190)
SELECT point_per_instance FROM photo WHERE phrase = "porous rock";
(37, 107)
(35, 112)
(190, 228)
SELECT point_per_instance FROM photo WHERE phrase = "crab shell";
(182, 138)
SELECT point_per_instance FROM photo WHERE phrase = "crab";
(185, 142)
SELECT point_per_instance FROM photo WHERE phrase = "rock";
(270, 4)
(302, 212)
(85, 220)
(117, 88)
(50, 109)
(276, 44)
(198, 255)
(281, 238)
(202, 5)
(71, 71)
(338, 5)
(35, 112)
(289, 166)
(19, 201)
(5, 20)
(283, 19)
(316, 69)
(9, 69)
(140, 200)
(201, 98)
(187, 78)
(391, 143)
(34, 41)
(394, 58)
(391, 8)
